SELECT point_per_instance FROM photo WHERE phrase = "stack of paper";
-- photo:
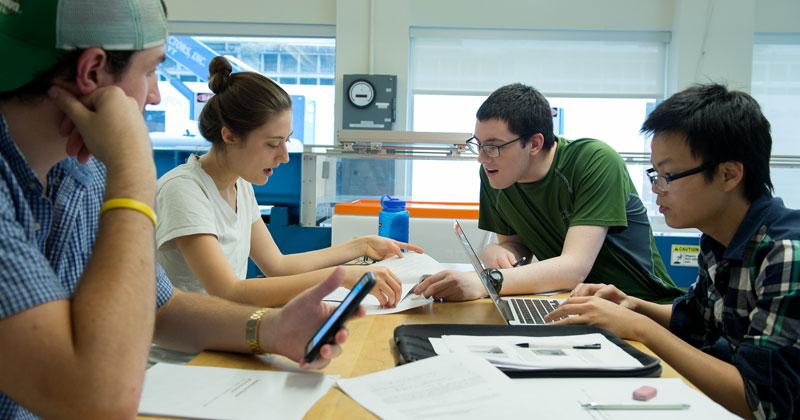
(409, 270)
(220, 393)
(584, 351)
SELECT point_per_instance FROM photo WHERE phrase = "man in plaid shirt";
(734, 334)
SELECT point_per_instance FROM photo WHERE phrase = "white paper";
(411, 267)
(554, 352)
(409, 270)
(452, 386)
(220, 393)
(373, 307)
(410, 301)
(567, 394)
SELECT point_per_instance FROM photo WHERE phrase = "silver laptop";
(516, 311)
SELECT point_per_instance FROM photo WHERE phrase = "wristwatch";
(251, 330)
(495, 278)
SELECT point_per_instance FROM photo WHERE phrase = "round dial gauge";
(361, 93)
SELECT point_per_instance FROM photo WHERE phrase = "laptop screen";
(476, 262)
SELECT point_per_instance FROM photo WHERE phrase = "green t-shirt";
(587, 184)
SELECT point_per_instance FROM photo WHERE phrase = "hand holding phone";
(333, 324)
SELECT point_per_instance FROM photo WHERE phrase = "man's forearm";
(721, 381)
(660, 313)
(112, 309)
(191, 322)
(543, 276)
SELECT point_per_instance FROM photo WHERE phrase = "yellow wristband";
(131, 204)
(251, 330)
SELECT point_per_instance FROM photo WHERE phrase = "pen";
(520, 261)
(640, 406)
(425, 276)
(421, 279)
(592, 346)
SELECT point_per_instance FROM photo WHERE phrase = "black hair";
(242, 101)
(720, 125)
(523, 108)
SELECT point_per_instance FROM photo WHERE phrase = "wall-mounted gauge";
(361, 93)
(368, 101)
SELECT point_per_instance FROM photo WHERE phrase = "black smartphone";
(334, 322)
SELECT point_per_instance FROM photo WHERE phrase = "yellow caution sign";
(684, 255)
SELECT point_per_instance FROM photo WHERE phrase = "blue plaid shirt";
(46, 238)
(745, 307)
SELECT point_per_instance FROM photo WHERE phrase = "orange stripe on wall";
(428, 209)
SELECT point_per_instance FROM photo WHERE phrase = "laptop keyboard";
(532, 311)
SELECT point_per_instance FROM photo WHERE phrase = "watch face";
(496, 277)
(361, 93)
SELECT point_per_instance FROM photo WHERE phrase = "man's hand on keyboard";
(605, 291)
(593, 310)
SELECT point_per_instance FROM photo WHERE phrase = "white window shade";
(776, 86)
(585, 64)
(776, 69)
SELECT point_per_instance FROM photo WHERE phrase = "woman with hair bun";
(209, 221)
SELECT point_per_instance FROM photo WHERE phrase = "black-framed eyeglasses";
(491, 150)
(661, 182)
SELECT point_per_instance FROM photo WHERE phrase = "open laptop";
(516, 311)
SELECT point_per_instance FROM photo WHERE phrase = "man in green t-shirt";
(571, 204)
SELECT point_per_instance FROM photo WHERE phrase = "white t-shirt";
(188, 203)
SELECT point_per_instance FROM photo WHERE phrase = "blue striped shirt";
(46, 237)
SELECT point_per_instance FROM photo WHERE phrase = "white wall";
(311, 12)
(711, 39)
(777, 16)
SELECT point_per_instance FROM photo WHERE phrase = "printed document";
(219, 393)
(584, 351)
(455, 386)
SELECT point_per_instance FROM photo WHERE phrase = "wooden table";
(370, 348)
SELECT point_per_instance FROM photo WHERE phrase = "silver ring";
(441, 299)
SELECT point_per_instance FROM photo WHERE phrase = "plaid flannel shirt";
(46, 237)
(744, 307)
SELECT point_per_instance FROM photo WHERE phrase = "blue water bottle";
(393, 219)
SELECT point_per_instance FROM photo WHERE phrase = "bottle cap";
(392, 204)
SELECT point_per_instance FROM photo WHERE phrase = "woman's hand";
(388, 288)
(380, 248)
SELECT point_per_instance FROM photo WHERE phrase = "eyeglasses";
(661, 182)
(491, 150)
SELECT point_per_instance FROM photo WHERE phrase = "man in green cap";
(78, 281)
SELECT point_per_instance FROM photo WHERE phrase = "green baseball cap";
(36, 34)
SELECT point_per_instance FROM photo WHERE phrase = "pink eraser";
(644, 393)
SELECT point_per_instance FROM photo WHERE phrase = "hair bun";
(219, 72)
